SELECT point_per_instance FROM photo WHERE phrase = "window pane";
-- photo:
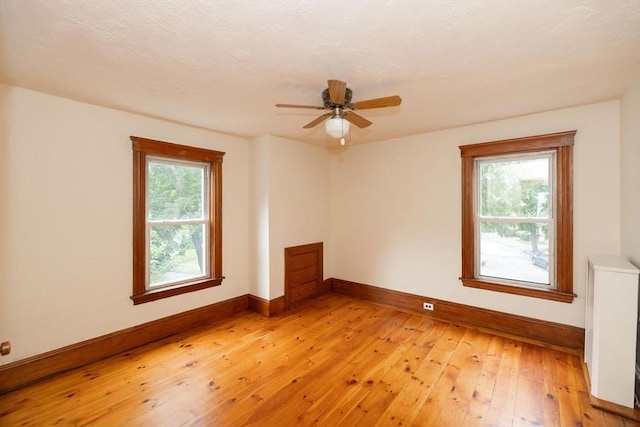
(515, 251)
(175, 191)
(516, 188)
(177, 253)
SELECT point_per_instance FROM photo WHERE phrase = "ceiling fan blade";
(317, 121)
(299, 106)
(357, 119)
(337, 91)
(387, 101)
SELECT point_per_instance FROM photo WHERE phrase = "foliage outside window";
(177, 215)
(515, 219)
(177, 219)
(517, 233)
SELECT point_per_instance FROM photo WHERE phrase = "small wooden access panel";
(303, 275)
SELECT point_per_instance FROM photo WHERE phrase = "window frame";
(143, 148)
(562, 143)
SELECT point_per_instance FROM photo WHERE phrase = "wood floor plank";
(484, 387)
(528, 409)
(447, 374)
(468, 359)
(385, 380)
(502, 406)
(332, 360)
(562, 387)
(348, 338)
(425, 367)
(529, 404)
(357, 381)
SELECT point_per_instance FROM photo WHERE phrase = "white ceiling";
(222, 65)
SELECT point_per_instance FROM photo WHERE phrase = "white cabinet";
(610, 332)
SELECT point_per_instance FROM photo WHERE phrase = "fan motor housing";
(327, 101)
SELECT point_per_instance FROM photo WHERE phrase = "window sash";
(202, 220)
(206, 274)
(506, 158)
(515, 278)
(204, 193)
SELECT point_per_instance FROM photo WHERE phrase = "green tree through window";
(177, 219)
(508, 190)
(175, 193)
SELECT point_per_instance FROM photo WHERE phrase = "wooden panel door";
(302, 272)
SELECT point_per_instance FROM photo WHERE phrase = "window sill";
(156, 294)
(517, 290)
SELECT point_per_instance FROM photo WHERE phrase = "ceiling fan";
(337, 98)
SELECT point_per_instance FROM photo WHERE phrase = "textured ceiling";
(222, 65)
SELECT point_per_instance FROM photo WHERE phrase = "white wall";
(259, 217)
(388, 212)
(630, 182)
(291, 190)
(396, 216)
(66, 220)
(630, 173)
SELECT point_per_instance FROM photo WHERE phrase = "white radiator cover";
(611, 326)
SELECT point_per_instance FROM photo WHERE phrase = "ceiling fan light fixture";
(337, 98)
(337, 127)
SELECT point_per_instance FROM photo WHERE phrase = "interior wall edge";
(267, 308)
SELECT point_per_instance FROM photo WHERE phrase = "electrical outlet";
(5, 348)
(427, 306)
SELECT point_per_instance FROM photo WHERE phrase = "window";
(517, 232)
(177, 206)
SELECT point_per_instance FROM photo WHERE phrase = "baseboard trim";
(277, 306)
(27, 371)
(326, 286)
(267, 308)
(539, 330)
(30, 370)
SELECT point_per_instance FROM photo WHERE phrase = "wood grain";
(303, 272)
(26, 371)
(332, 360)
(265, 307)
(527, 328)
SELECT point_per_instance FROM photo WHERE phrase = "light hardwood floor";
(332, 361)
